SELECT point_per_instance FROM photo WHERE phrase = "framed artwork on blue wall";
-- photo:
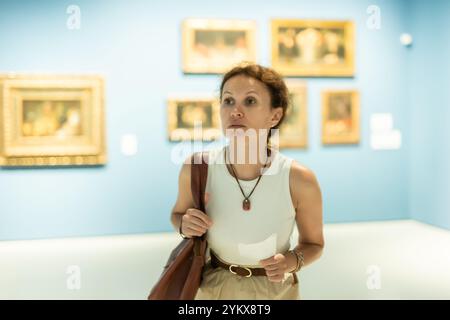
(313, 48)
(51, 120)
(193, 118)
(294, 129)
(214, 46)
(340, 117)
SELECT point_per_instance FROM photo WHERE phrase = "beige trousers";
(221, 284)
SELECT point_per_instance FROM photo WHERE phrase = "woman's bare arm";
(184, 199)
(195, 222)
(308, 197)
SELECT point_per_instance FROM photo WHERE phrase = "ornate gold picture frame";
(214, 46)
(313, 48)
(193, 118)
(51, 120)
(340, 117)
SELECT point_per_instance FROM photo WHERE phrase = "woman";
(252, 206)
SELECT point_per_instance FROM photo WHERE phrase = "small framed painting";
(193, 118)
(340, 117)
(215, 46)
(50, 120)
(313, 48)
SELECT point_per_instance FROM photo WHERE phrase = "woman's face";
(246, 102)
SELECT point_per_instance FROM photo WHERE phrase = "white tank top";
(270, 219)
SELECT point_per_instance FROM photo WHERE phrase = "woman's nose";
(236, 113)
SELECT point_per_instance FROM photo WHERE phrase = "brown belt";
(236, 269)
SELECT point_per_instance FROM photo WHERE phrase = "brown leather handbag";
(182, 274)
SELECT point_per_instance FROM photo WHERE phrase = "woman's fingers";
(275, 267)
(274, 273)
(200, 215)
(278, 278)
(196, 228)
(272, 267)
(197, 222)
(193, 232)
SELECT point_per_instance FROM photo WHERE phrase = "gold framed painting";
(214, 46)
(193, 118)
(294, 129)
(340, 117)
(51, 120)
(313, 48)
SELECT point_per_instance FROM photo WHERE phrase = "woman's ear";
(276, 116)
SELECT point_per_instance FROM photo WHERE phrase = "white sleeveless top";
(270, 219)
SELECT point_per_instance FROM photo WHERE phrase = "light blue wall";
(136, 46)
(430, 102)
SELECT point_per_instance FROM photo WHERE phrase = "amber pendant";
(246, 204)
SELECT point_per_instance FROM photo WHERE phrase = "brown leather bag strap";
(199, 175)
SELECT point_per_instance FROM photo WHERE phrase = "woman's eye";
(227, 101)
(250, 100)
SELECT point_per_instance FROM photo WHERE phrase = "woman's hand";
(195, 223)
(279, 264)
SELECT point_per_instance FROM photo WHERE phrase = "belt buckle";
(234, 272)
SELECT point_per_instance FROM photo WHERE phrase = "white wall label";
(383, 136)
(386, 141)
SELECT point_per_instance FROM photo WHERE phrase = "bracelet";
(300, 260)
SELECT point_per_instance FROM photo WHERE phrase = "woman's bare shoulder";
(302, 180)
(301, 174)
